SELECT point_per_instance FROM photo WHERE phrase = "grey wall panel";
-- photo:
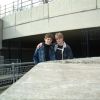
(98, 3)
(23, 16)
(9, 20)
(40, 12)
(9, 33)
(59, 7)
(75, 21)
(82, 5)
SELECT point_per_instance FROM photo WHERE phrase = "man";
(46, 51)
(62, 50)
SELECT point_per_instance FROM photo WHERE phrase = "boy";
(46, 51)
(62, 50)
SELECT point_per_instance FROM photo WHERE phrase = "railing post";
(96, 4)
(0, 11)
(13, 7)
(5, 10)
(13, 72)
(17, 5)
(21, 5)
(31, 3)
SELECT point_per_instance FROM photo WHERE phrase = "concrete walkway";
(57, 81)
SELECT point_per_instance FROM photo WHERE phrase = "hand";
(39, 45)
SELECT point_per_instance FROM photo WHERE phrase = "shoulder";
(67, 45)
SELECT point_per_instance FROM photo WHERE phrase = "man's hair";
(59, 35)
(49, 35)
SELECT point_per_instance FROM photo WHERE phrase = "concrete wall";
(1, 28)
(9, 21)
(58, 15)
(59, 7)
(98, 3)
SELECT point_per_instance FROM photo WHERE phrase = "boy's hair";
(49, 35)
(59, 35)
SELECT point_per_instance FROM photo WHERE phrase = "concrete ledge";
(56, 8)
(73, 21)
(58, 81)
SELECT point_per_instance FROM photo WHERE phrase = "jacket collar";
(64, 46)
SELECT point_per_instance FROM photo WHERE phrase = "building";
(78, 20)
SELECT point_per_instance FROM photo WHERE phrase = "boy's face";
(59, 41)
(48, 41)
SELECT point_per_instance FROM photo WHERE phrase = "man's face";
(48, 41)
(59, 41)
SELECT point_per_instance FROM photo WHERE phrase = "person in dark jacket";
(62, 50)
(46, 51)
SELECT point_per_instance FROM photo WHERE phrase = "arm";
(70, 54)
(39, 45)
(36, 56)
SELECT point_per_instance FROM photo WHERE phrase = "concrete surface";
(77, 79)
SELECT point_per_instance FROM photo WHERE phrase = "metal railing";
(9, 61)
(10, 73)
(20, 5)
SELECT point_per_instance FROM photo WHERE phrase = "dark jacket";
(39, 55)
(66, 52)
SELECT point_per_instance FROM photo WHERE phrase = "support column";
(1, 33)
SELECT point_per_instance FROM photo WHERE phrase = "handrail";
(12, 72)
(16, 64)
(19, 5)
